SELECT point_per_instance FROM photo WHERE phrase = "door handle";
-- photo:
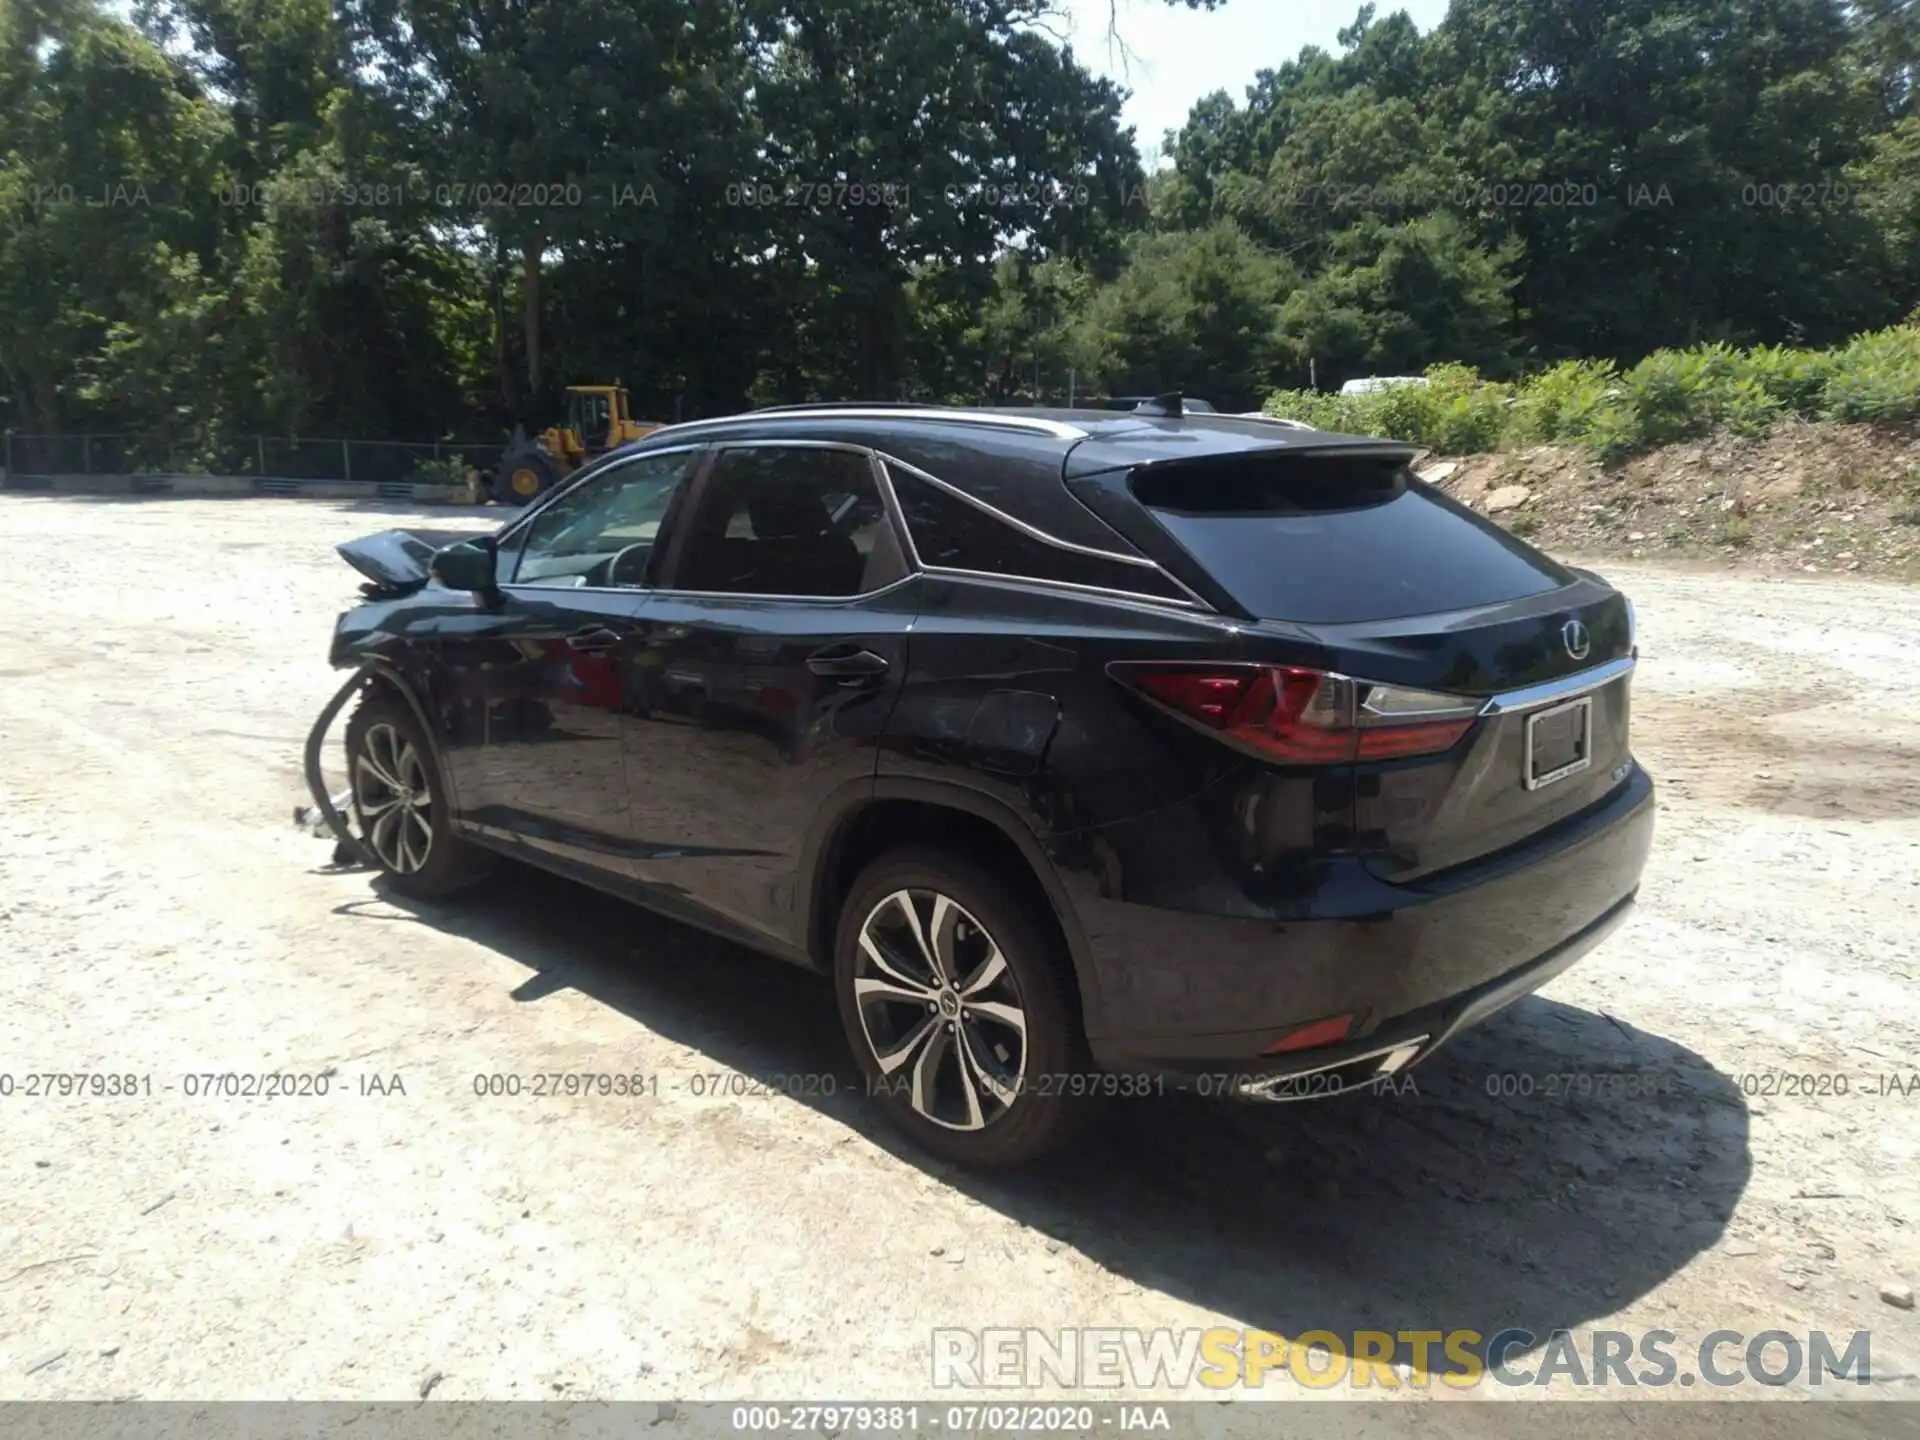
(593, 640)
(840, 664)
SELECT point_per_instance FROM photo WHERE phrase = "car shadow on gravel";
(1546, 1169)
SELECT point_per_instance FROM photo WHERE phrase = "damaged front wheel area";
(398, 802)
(392, 800)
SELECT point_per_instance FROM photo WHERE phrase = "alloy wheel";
(940, 1009)
(396, 807)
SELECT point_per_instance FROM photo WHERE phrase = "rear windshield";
(1330, 538)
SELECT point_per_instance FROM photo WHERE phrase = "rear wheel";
(955, 1002)
(399, 803)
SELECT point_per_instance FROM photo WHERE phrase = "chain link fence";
(261, 457)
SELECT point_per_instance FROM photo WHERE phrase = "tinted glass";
(790, 521)
(602, 534)
(949, 532)
(1330, 539)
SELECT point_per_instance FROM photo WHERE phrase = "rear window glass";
(1328, 539)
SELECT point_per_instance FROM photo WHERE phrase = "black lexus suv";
(1088, 753)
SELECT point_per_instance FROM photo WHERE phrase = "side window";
(602, 534)
(949, 532)
(790, 520)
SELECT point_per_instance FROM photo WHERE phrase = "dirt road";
(403, 1234)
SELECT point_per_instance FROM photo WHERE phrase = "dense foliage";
(1670, 395)
(419, 218)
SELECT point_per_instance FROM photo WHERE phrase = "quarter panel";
(1110, 756)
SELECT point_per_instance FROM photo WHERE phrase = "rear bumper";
(1404, 1042)
(1186, 993)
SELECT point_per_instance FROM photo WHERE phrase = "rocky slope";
(1810, 498)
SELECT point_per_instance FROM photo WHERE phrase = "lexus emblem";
(1574, 636)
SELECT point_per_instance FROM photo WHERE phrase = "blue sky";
(1179, 55)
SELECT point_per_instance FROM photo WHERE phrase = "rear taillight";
(1305, 717)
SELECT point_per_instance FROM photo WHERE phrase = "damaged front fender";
(397, 561)
(397, 566)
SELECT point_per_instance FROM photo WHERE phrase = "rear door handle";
(839, 664)
(593, 640)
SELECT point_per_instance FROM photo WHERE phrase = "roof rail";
(1272, 419)
(896, 410)
(841, 405)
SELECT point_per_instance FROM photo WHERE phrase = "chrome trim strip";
(794, 443)
(646, 593)
(1030, 531)
(1032, 426)
(1397, 1061)
(885, 589)
(952, 573)
(1272, 420)
(1565, 688)
(1393, 1057)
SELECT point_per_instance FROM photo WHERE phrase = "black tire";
(1041, 1115)
(384, 739)
(524, 476)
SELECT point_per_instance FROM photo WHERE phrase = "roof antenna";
(1167, 406)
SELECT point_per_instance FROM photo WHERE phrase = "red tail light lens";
(1330, 1031)
(1306, 717)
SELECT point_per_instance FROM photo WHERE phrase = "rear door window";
(789, 520)
(1335, 538)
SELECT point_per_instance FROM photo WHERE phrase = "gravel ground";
(404, 1235)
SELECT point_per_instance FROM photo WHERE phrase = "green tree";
(108, 191)
(1669, 165)
(549, 133)
(1196, 311)
(1398, 298)
(917, 133)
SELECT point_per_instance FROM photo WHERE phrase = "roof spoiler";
(1353, 447)
(1168, 406)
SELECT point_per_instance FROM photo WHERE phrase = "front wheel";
(400, 804)
(524, 476)
(957, 1008)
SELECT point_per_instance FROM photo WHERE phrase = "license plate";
(1559, 742)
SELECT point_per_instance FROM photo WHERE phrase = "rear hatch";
(1341, 559)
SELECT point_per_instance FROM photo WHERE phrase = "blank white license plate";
(1559, 742)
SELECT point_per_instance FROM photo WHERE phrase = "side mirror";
(468, 565)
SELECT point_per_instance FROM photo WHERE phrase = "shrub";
(448, 470)
(1876, 378)
(1474, 421)
(1796, 378)
(1671, 395)
(1735, 530)
(1560, 403)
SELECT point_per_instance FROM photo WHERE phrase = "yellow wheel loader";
(598, 419)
